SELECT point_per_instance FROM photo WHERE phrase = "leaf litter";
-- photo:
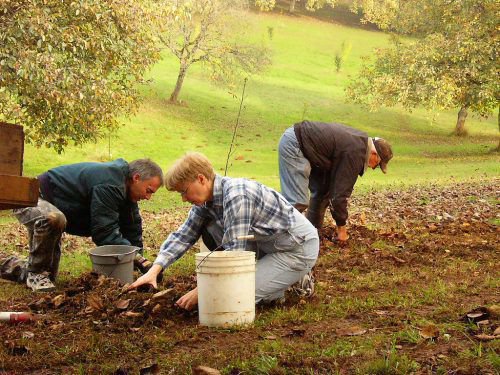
(428, 233)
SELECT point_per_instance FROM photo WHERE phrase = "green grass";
(301, 83)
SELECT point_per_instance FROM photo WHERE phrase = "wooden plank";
(17, 192)
(11, 149)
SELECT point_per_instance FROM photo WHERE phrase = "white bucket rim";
(226, 254)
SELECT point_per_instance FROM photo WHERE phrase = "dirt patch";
(424, 258)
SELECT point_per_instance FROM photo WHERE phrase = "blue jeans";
(298, 178)
(283, 258)
(294, 170)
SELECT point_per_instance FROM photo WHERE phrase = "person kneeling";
(224, 211)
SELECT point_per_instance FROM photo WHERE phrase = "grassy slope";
(301, 83)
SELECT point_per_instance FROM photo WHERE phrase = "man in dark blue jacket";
(84, 199)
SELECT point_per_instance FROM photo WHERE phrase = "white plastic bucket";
(226, 288)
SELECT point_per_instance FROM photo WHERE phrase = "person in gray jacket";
(84, 199)
(326, 159)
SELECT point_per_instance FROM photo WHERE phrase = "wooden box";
(11, 149)
(15, 191)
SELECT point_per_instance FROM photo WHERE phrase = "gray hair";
(146, 169)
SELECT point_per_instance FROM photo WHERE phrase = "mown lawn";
(301, 84)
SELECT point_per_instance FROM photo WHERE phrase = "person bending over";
(326, 159)
(84, 199)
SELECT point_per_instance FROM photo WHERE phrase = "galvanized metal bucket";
(115, 261)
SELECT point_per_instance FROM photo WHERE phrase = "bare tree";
(211, 32)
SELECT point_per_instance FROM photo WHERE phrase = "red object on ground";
(16, 317)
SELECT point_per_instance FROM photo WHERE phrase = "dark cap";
(384, 151)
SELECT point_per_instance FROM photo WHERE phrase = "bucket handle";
(239, 238)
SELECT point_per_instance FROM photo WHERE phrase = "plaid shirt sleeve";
(237, 220)
(180, 241)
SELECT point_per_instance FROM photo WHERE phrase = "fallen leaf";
(122, 304)
(156, 309)
(58, 300)
(483, 337)
(494, 311)
(269, 337)
(101, 280)
(57, 327)
(162, 295)
(27, 335)
(429, 332)
(40, 303)
(95, 302)
(125, 288)
(132, 314)
(398, 260)
(362, 218)
(497, 331)
(351, 331)
(88, 310)
(205, 370)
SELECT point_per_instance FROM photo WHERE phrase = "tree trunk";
(292, 6)
(180, 80)
(460, 127)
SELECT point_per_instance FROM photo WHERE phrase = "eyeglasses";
(184, 192)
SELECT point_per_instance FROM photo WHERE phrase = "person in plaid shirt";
(224, 211)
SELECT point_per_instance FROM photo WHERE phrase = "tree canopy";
(211, 32)
(450, 61)
(69, 68)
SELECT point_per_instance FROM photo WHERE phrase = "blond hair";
(187, 169)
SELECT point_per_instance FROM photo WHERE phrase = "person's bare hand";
(189, 300)
(342, 234)
(148, 278)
